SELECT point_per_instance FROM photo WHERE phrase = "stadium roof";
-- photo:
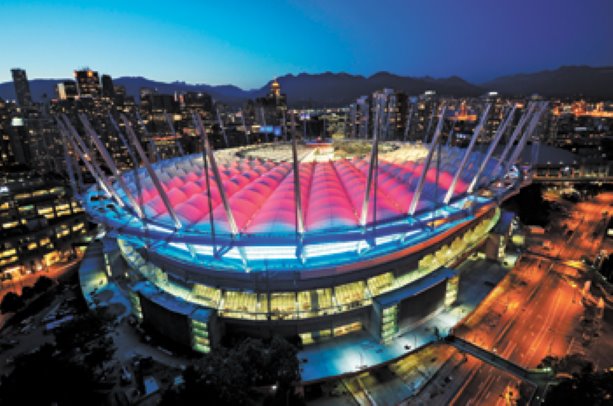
(261, 193)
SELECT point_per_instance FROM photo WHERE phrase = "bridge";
(577, 177)
(539, 378)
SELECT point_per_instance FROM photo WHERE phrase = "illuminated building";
(22, 87)
(108, 89)
(39, 222)
(88, 83)
(270, 110)
(66, 90)
(34, 141)
(11, 149)
(228, 243)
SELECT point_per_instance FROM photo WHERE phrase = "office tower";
(270, 109)
(88, 83)
(363, 120)
(201, 102)
(108, 89)
(66, 90)
(22, 87)
(40, 223)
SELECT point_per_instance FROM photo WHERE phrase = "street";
(534, 312)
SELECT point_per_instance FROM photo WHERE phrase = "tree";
(284, 361)
(225, 376)
(80, 331)
(586, 388)
(58, 381)
(532, 208)
(27, 293)
(43, 284)
(11, 303)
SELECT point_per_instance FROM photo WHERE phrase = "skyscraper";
(66, 90)
(88, 83)
(22, 87)
(107, 87)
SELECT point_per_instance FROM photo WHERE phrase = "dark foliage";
(43, 284)
(44, 379)
(587, 388)
(11, 303)
(27, 293)
(80, 331)
(226, 376)
(531, 207)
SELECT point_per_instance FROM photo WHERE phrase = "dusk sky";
(246, 43)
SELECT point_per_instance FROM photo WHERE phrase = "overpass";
(571, 178)
(493, 359)
(539, 378)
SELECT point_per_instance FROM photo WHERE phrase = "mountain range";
(338, 89)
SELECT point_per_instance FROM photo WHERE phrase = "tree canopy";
(226, 376)
(11, 303)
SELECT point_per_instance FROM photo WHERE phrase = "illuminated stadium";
(295, 240)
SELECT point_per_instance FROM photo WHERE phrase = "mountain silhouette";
(566, 81)
(339, 89)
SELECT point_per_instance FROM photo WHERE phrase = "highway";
(534, 312)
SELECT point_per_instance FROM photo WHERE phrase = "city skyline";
(247, 44)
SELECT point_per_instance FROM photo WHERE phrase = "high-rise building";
(34, 140)
(66, 90)
(22, 87)
(11, 148)
(39, 222)
(88, 83)
(270, 109)
(108, 89)
(201, 102)
(363, 118)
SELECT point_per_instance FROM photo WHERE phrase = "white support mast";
(372, 164)
(171, 127)
(284, 125)
(150, 141)
(407, 126)
(297, 191)
(422, 176)
(526, 135)
(220, 187)
(430, 120)
(110, 163)
(91, 165)
(471, 145)
(152, 174)
(518, 129)
(222, 127)
(244, 126)
(497, 137)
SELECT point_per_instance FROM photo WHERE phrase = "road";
(54, 272)
(534, 312)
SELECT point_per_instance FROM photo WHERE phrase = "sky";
(246, 43)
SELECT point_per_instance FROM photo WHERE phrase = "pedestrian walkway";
(493, 359)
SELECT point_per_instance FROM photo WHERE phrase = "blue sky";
(248, 42)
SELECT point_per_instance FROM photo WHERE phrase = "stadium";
(301, 240)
